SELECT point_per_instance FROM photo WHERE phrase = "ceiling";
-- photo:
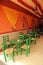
(27, 6)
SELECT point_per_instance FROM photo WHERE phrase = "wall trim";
(14, 31)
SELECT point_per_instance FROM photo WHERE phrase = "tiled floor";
(35, 57)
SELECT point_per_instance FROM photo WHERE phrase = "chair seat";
(24, 46)
(14, 46)
(7, 42)
(9, 50)
(33, 38)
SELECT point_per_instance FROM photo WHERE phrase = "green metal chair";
(26, 47)
(33, 36)
(15, 45)
(37, 33)
(7, 48)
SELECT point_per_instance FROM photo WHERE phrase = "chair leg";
(5, 57)
(27, 51)
(17, 49)
(13, 56)
(21, 50)
(34, 42)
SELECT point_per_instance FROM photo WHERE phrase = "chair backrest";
(21, 35)
(33, 34)
(28, 40)
(5, 38)
(6, 42)
(4, 46)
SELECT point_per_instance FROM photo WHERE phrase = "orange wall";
(11, 20)
(5, 26)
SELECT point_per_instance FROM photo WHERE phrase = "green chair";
(33, 36)
(7, 48)
(26, 47)
(37, 33)
(15, 45)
